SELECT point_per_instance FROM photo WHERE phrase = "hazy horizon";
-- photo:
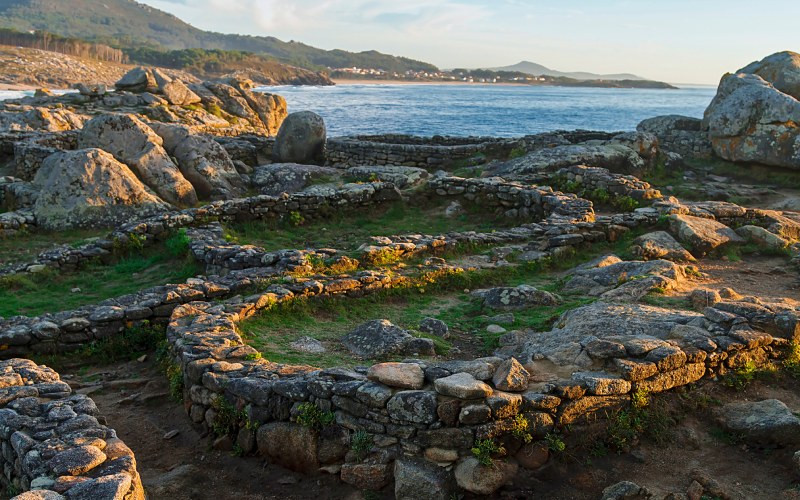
(681, 41)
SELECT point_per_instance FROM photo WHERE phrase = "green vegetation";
(792, 362)
(129, 25)
(626, 427)
(486, 449)
(555, 442)
(311, 416)
(521, 429)
(227, 418)
(599, 196)
(27, 246)
(51, 290)
(361, 443)
(397, 218)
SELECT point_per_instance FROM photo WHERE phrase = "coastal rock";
(138, 80)
(177, 93)
(301, 139)
(278, 178)
(136, 145)
(749, 120)
(89, 188)
(781, 69)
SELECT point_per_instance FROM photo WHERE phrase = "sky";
(679, 41)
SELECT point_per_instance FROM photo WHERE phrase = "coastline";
(357, 81)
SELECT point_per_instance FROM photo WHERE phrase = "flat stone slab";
(462, 386)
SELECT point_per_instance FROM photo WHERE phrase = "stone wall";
(52, 442)
(516, 199)
(679, 134)
(590, 178)
(409, 151)
(433, 409)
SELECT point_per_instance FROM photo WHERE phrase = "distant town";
(484, 76)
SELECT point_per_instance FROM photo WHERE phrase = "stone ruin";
(424, 413)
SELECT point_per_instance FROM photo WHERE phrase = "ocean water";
(489, 110)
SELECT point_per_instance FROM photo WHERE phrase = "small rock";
(626, 490)
(463, 386)
(171, 434)
(402, 375)
(434, 327)
(484, 479)
(308, 345)
(511, 376)
(495, 329)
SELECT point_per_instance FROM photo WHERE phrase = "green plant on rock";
(485, 449)
(227, 418)
(792, 362)
(296, 218)
(311, 416)
(640, 398)
(521, 429)
(555, 442)
(175, 380)
(517, 152)
(361, 443)
(599, 195)
(741, 378)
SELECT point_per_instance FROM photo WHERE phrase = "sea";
(482, 110)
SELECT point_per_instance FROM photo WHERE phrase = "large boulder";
(301, 139)
(177, 93)
(769, 421)
(136, 145)
(89, 188)
(138, 79)
(277, 178)
(749, 120)
(379, 338)
(234, 96)
(781, 69)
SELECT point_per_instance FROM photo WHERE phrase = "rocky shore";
(398, 316)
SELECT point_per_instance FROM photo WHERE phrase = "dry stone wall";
(53, 443)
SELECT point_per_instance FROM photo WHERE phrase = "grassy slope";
(348, 232)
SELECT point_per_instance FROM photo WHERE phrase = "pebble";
(171, 434)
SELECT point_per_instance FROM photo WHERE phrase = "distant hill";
(129, 24)
(531, 68)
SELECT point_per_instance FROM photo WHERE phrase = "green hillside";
(129, 24)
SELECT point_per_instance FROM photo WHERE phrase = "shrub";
(554, 442)
(296, 218)
(640, 398)
(311, 416)
(625, 203)
(517, 152)
(485, 449)
(178, 244)
(226, 421)
(521, 429)
(361, 443)
(741, 378)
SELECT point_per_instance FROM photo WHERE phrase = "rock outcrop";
(301, 139)
(89, 188)
(750, 120)
(136, 145)
(781, 69)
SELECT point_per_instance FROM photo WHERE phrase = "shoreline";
(358, 81)
(17, 86)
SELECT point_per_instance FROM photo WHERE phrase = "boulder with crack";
(89, 188)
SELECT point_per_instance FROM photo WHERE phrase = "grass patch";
(51, 291)
(748, 172)
(349, 231)
(26, 247)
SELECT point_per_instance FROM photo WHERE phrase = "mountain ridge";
(130, 24)
(535, 69)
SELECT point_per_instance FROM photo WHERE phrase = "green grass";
(748, 172)
(349, 231)
(26, 247)
(51, 291)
